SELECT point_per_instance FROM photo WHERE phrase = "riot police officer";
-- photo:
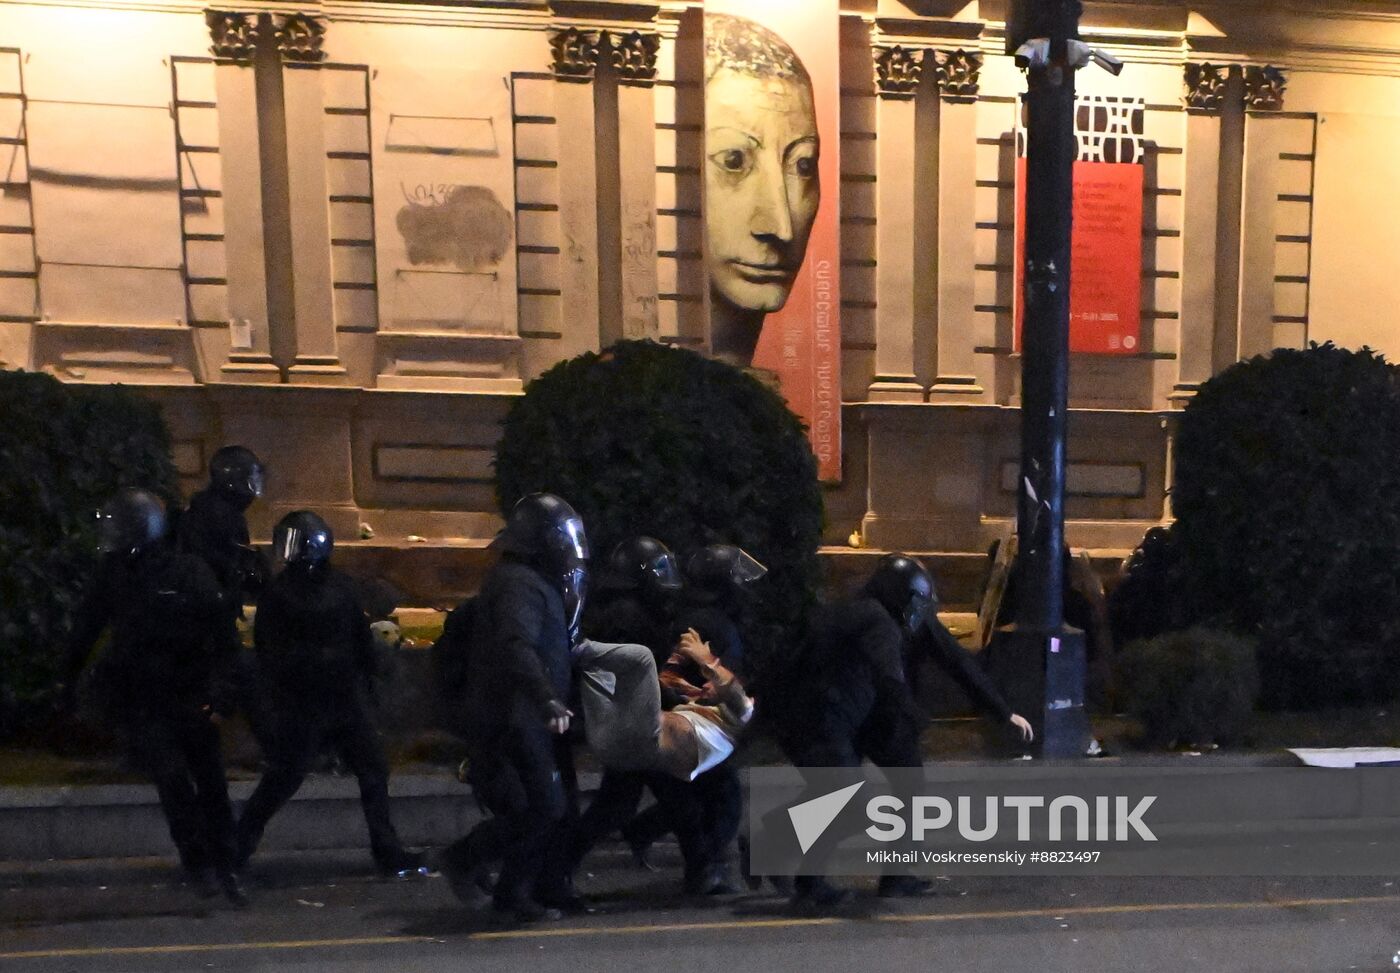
(853, 699)
(215, 527)
(518, 683)
(718, 579)
(165, 677)
(315, 659)
(930, 639)
(635, 605)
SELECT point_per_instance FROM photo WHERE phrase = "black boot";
(204, 882)
(470, 882)
(525, 910)
(401, 865)
(233, 889)
(904, 886)
(817, 896)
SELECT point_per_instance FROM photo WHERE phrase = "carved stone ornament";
(897, 69)
(1263, 88)
(299, 36)
(233, 35)
(958, 73)
(634, 55)
(575, 52)
(1205, 86)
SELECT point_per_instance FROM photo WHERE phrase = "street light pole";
(1040, 659)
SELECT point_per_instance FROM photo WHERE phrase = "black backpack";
(449, 657)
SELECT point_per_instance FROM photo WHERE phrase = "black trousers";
(525, 778)
(299, 739)
(716, 797)
(179, 751)
(887, 736)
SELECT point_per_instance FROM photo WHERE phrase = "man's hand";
(558, 716)
(696, 649)
(1023, 727)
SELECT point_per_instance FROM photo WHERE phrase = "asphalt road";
(324, 912)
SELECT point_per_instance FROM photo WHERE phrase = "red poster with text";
(771, 202)
(1105, 293)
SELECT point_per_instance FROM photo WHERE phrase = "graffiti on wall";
(466, 227)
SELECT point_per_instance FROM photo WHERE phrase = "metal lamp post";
(1041, 661)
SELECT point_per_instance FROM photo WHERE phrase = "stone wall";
(347, 233)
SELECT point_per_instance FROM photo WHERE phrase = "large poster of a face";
(770, 245)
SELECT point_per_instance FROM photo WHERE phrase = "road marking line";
(634, 930)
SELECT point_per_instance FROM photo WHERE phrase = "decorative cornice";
(1264, 86)
(575, 53)
(634, 55)
(1205, 86)
(299, 37)
(898, 69)
(958, 73)
(233, 35)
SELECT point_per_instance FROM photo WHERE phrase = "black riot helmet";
(303, 539)
(718, 572)
(236, 473)
(646, 565)
(131, 522)
(546, 533)
(905, 588)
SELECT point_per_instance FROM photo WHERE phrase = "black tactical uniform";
(718, 578)
(214, 526)
(519, 678)
(315, 665)
(637, 607)
(852, 700)
(165, 677)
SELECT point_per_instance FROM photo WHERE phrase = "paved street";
(324, 912)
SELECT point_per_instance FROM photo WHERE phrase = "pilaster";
(574, 63)
(1204, 97)
(299, 42)
(898, 71)
(233, 39)
(1263, 96)
(957, 73)
(633, 57)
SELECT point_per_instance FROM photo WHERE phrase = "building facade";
(347, 233)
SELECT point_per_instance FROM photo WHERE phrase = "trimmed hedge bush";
(1195, 687)
(64, 450)
(1287, 498)
(647, 439)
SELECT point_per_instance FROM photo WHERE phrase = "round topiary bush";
(648, 439)
(64, 451)
(1195, 687)
(1287, 498)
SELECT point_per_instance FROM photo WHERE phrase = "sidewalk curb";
(105, 821)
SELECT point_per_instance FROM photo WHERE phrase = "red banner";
(771, 202)
(1105, 293)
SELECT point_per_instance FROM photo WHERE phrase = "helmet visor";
(257, 482)
(746, 570)
(289, 544)
(917, 611)
(664, 571)
(111, 535)
(572, 541)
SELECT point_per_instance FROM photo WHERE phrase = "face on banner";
(770, 246)
(762, 183)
